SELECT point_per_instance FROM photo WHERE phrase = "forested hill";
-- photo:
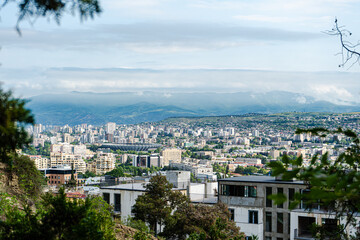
(131, 107)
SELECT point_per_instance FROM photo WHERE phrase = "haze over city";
(186, 46)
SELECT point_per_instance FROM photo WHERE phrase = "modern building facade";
(256, 214)
(59, 175)
(147, 161)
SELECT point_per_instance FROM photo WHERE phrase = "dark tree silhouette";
(13, 119)
(32, 9)
(348, 51)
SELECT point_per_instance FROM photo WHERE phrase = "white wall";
(241, 218)
(128, 199)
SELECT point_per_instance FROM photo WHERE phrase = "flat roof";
(133, 187)
(259, 179)
(209, 200)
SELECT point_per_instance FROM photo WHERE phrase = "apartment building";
(103, 163)
(57, 158)
(255, 214)
(40, 162)
(171, 154)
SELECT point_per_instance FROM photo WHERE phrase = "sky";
(184, 45)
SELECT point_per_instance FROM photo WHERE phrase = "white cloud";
(333, 93)
(301, 99)
(285, 19)
(321, 86)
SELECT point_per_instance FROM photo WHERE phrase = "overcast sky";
(185, 45)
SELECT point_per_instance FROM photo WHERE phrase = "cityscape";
(211, 159)
(179, 120)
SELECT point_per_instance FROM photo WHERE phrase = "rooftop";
(132, 187)
(259, 179)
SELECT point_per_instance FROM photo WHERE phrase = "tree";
(117, 172)
(13, 119)
(239, 169)
(88, 174)
(201, 222)
(158, 202)
(250, 170)
(348, 49)
(57, 218)
(332, 184)
(31, 9)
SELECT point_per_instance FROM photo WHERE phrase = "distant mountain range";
(135, 107)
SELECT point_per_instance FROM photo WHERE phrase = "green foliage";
(253, 237)
(201, 222)
(158, 202)
(219, 168)
(197, 236)
(334, 183)
(29, 9)
(88, 174)
(239, 169)
(137, 224)
(29, 178)
(13, 119)
(93, 147)
(139, 235)
(58, 218)
(219, 146)
(39, 150)
(124, 169)
(249, 170)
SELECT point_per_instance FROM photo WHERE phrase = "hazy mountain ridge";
(135, 107)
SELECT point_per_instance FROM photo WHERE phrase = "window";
(239, 191)
(106, 197)
(268, 222)
(289, 222)
(232, 214)
(253, 217)
(280, 191)
(305, 226)
(252, 191)
(280, 223)
(268, 193)
(291, 195)
(117, 202)
(267, 238)
(330, 224)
